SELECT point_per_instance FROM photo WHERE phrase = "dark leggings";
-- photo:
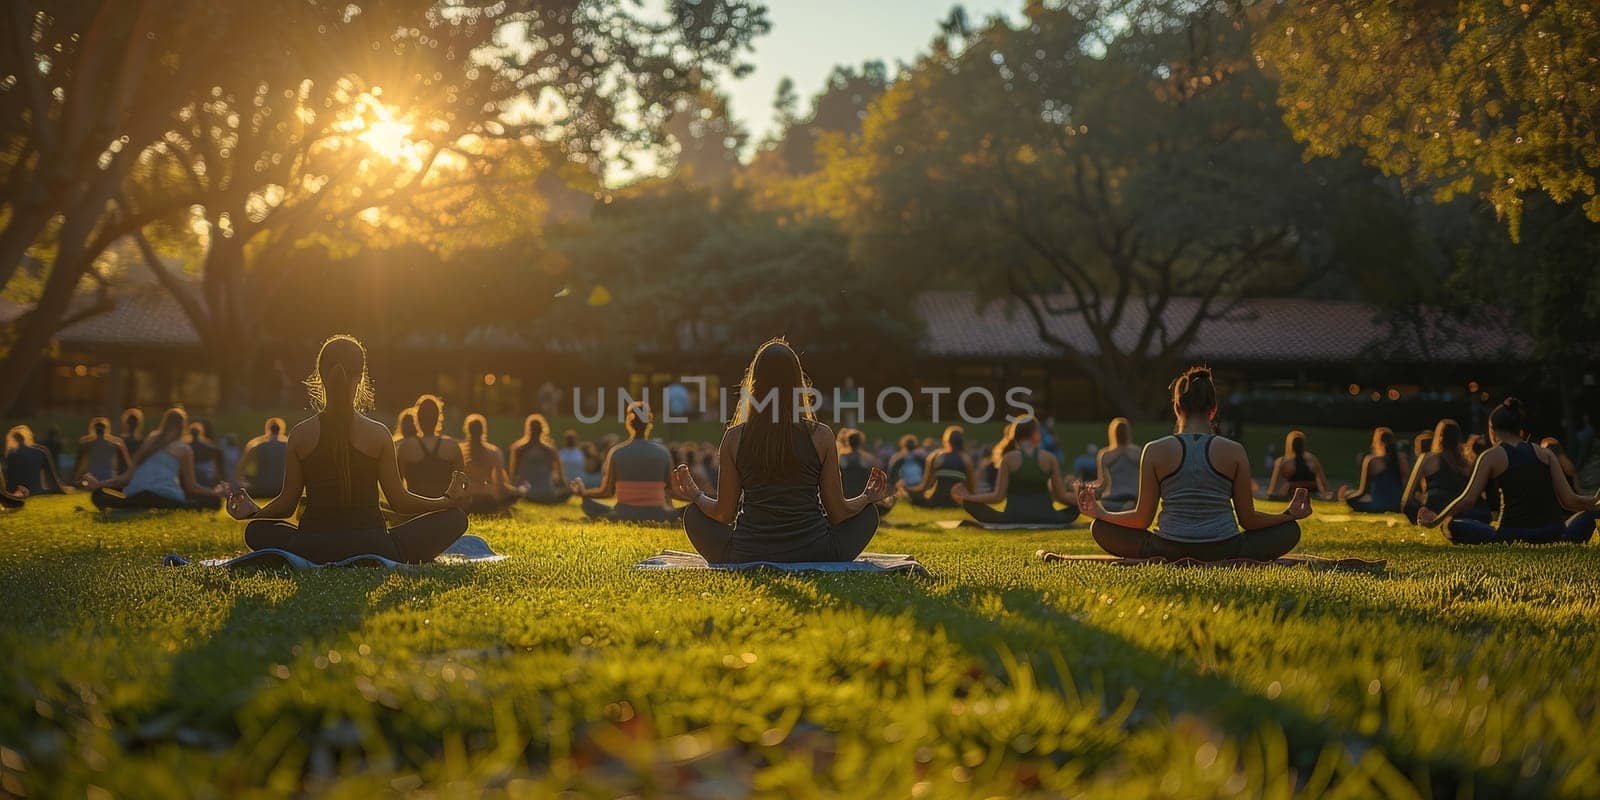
(716, 541)
(145, 501)
(1578, 528)
(626, 513)
(548, 496)
(1263, 544)
(415, 541)
(490, 504)
(939, 497)
(1032, 514)
(1373, 505)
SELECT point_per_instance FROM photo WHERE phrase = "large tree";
(395, 120)
(1479, 97)
(1121, 169)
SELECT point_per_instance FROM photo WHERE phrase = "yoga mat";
(468, 549)
(1385, 518)
(866, 562)
(1315, 563)
(952, 524)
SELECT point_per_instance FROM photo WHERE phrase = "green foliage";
(1095, 163)
(1456, 673)
(1484, 97)
(665, 253)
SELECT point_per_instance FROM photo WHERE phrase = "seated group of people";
(788, 489)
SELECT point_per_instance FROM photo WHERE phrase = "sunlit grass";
(561, 668)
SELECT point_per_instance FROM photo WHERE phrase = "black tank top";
(430, 475)
(785, 513)
(1527, 495)
(853, 471)
(1302, 473)
(1445, 484)
(325, 510)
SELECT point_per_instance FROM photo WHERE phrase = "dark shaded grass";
(1456, 672)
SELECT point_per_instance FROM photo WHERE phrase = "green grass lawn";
(1457, 673)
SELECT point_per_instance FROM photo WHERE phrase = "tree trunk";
(41, 323)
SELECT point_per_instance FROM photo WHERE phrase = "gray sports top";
(1196, 500)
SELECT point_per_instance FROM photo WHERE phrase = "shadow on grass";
(1166, 683)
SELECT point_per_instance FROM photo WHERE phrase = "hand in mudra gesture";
(877, 487)
(241, 505)
(1089, 498)
(683, 482)
(456, 493)
(1299, 505)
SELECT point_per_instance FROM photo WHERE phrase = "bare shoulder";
(820, 431)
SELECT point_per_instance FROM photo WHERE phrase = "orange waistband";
(641, 493)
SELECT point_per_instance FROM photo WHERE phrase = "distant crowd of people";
(782, 486)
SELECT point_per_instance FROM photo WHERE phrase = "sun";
(388, 138)
(383, 131)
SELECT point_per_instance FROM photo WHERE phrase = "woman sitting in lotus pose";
(488, 490)
(162, 474)
(1383, 472)
(946, 468)
(100, 454)
(536, 464)
(1441, 475)
(1534, 493)
(339, 458)
(1028, 479)
(1297, 469)
(1117, 467)
(29, 465)
(430, 459)
(638, 472)
(1202, 483)
(269, 451)
(779, 493)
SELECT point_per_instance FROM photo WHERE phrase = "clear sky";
(809, 37)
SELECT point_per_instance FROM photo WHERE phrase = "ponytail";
(1018, 431)
(474, 428)
(1194, 393)
(1510, 417)
(338, 389)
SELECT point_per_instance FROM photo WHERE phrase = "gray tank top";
(270, 458)
(1196, 500)
(1122, 470)
(641, 460)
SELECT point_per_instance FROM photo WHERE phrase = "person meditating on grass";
(29, 465)
(1028, 480)
(268, 452)
(536, 464)
(161, 476)
(1117, 467)
(1534, 492)
(430, 459)
(1202, 482)
(946, 468)
(99, 453)
(638, 472)
(1383, 472)
(488, 490)
(1441, 475)
(339, 458)
(1297, 469)
(780, 496)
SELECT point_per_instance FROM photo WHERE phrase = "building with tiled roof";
(144, 350)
